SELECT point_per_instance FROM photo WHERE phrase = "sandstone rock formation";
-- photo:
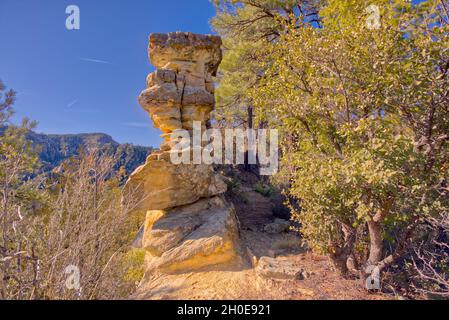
(191, 237)
(189, 225)
(165, 185)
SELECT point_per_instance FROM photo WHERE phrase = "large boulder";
(191, 237)
(160, 185)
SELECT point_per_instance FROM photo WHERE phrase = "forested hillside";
(54, 149)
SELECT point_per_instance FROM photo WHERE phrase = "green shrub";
(363, 121)
(263, 189)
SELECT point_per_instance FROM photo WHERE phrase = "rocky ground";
(272, 265)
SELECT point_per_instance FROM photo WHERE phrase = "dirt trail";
(241, 281)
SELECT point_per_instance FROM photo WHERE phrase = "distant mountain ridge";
(55, 148)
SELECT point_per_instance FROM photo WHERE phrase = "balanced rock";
(181, 90)
(188, 224)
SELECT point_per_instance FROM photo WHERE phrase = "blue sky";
(88, 80)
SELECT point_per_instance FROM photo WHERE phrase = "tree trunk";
(250, 126)
(376, 242)
(341, 255)
(372, 272)
(375, 234)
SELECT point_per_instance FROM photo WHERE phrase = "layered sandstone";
(181, 90)
(189, 225)
(190, 237)
(163, 185)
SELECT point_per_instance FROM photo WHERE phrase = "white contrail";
(95, 60)
(71, 104)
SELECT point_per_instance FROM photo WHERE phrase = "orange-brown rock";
(188, 224)
(191, 237)
(185, 47)
(161, 184)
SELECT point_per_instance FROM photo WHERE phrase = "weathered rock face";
(192, 236)
(165, 185)
(181, 90)
(186, 48)
(188, 224)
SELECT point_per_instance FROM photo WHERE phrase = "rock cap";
(185, 46)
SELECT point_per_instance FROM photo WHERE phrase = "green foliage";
(232, 184)
(363, 117)
(7, 99)
(263, 189)
(133, 262)
(233, 189)
(247, 28)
